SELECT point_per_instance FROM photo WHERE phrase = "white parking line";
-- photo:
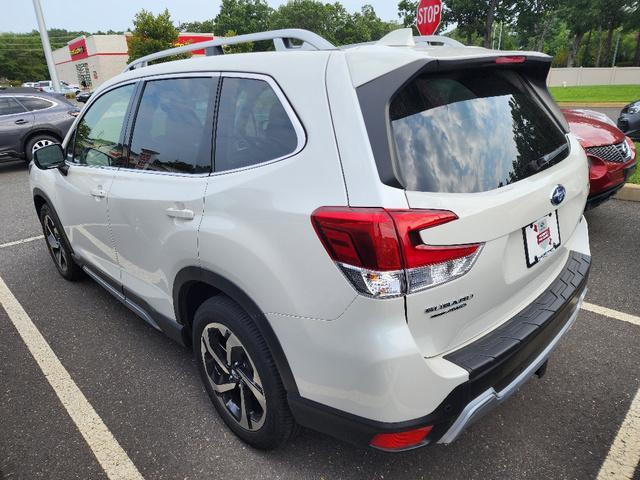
(620, 463)
(607, 312)
(113, 459)
(624, 454)
(20, 242)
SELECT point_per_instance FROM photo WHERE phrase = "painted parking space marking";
(20, 242)
(608, 312)
(620, 462)
(624, 454)
(113, 459)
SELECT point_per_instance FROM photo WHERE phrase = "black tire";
(33, 141)
(57, 245)
(276, 425)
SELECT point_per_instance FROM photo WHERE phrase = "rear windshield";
(471, 131)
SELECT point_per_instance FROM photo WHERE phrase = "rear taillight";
(401, 440)
(381, 253)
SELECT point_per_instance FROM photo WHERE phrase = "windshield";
(471, 131)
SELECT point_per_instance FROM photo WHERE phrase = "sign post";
(46, 46)
(428, 16)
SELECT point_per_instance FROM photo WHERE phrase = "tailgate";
(500, 284)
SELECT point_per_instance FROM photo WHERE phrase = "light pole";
(46, 46)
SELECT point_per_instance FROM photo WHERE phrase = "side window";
(97, 141)
(253, 126)
(174, 126)
(8, 105)
(34, 103)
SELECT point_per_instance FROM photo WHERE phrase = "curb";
(593, 105)
(629, 192)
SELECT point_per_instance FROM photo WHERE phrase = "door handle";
(184, 214)
(21, 121)
(98, 192)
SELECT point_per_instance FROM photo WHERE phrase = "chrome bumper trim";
(488, 400)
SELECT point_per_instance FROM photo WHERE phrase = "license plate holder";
(541, 238)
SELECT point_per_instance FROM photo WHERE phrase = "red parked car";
(612, 156)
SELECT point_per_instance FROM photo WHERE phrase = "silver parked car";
(29, 121)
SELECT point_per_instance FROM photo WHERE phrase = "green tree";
(240, 47)
(632, 24)
(206, 26)
(325, 19)
(407, 10)
(332, 21)
(580, 17)
(242, 16)
(152, 34)
(22, 57)
(534, 21)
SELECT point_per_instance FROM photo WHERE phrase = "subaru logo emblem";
(558, 194)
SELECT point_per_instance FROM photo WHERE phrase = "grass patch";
(635, 178)
(596, 93)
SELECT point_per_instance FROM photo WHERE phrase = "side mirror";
(49, 157)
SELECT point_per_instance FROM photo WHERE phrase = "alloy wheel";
(55, 244)
(233, 376)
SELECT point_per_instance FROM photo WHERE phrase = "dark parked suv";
(29, 121)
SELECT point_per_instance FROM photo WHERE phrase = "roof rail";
(282, 41)
(438, 40)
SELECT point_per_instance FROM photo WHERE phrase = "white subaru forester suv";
(380, 242)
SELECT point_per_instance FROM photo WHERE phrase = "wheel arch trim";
(47, 201)
(190, 275)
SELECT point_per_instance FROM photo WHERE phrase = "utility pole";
(46, 46)
(615, 52)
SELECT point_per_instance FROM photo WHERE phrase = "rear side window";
(97, 140)
(471, 131)
(8, 105)
(34, 103)
(253, 126)
(173, 130)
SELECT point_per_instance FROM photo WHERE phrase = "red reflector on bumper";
(400, 440)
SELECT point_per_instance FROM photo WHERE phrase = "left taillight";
(381, 253)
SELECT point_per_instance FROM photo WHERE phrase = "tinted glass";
(8, 106)
(97, 141)
(33, 103)
(253, 126)
(471, 131)
(174, 126)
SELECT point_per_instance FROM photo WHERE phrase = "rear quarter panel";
(256, 229)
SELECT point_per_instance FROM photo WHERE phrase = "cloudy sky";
(93, 15)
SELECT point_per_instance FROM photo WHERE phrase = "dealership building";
(94, 59)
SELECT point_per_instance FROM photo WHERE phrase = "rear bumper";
(498, 364)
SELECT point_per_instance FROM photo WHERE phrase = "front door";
(94, 154)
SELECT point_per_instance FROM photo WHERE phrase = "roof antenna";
(402, 37)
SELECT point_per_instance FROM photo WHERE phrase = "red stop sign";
(428, 16)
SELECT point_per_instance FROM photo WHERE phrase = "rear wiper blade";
(545, 159)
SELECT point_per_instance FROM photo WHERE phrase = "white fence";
(594, 76)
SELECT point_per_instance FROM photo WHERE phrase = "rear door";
(15, 124)
(479, 143)
(156, 203)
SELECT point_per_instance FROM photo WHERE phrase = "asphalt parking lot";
(146, 390)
